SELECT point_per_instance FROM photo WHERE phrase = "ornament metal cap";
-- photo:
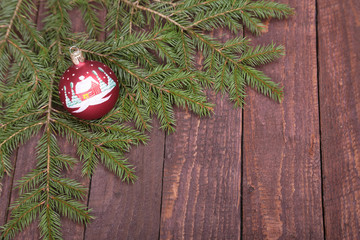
(76, 55)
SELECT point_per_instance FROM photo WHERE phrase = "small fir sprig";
(151, 46)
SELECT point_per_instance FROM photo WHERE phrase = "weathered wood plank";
(282, 169)
(339, 59)
(202, 174)
(5, 192)
(7, 182)
(129, 211)
(25, 162)
(70, 229)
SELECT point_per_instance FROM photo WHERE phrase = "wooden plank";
(339, 59)
(202, 174)
(25, 162)
(129, 211)
(5, 192)
(70, 229)
(7, 182)
(282, 169)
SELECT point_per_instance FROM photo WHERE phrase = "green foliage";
(151, 46)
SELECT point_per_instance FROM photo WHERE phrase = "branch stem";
(12, 20)
(154, 12)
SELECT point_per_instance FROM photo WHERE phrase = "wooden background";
(269, 171)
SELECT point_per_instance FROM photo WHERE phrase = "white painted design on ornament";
(89, 92)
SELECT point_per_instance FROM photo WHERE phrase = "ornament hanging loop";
(76, 55)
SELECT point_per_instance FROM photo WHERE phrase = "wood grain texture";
(25, 153)
(339, 58)
(6, 184)
(198, 194)
(202, 174)
(70, 229)
(25, 162)
(129, 211)
(282, 169)
(5, 192)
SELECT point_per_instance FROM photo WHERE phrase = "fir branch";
(26, 198)
(113, 19)
(136, 136)
(129, 173)
(155, 39)
(267, 88)
(20, 131)
(136, 5)
(164, 115)
(223, 13)
(70, 187)
(72, 210)
(31, 63)
(5, 166)
(262, 55)
(92, 21)
(34, 35)
(9, 27)
(28, 182)
(254, 25)
(237, 89)
(47, 172)
(197, 4)
(14, 120)
(184, 47)
(267, 9)
(17, 223)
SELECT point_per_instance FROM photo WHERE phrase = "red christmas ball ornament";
(88, 89)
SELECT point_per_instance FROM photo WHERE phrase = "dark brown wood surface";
(270, 171)
(282, 168)
(129, 211)
(202, 174)
(339, 82)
